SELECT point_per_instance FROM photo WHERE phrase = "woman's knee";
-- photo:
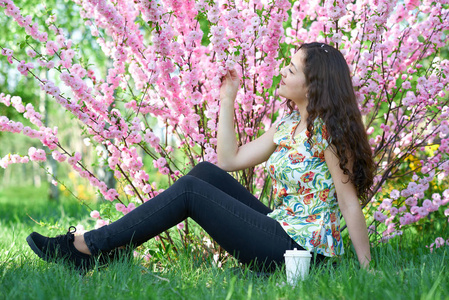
(205, 167)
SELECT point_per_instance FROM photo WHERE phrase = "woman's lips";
(282, 82)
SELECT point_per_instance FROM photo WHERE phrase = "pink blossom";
(378, 216)
(95, 214)
(164, 171)
(414, 209)
(7, 52)
(110, 194)
(31, 53)
(439, 241)
(394, 211)
(131, 207)
(427, 204)
(51, 48)
(410, 4)
(394, 194)
(146, 189)
(180, 226)
(406, 219)
(412, 201)
(129, 190)
(37, 154)
(120, 207)
(161, 162)
(23, 67)
(101, 223)
(422, 211)
(386, 204)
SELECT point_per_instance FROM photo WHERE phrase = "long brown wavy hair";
(331, 97)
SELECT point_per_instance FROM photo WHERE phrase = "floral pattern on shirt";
(305, 198)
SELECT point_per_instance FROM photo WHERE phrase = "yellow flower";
(430, 149)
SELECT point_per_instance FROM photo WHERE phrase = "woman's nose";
(282, 72)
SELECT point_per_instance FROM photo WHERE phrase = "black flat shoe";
(60, 249)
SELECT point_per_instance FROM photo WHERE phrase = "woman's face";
(293, 81)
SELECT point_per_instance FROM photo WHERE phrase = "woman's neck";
(303, 112)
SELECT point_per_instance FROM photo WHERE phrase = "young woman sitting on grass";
(316, 152)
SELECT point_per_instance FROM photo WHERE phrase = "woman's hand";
(229, 86)
(230, 156)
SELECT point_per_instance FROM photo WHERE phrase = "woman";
(315, 153)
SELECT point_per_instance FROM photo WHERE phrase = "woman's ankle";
(81, 245)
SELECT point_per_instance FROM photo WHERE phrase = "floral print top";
(305, 198)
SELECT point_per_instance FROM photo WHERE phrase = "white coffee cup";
(297, 264)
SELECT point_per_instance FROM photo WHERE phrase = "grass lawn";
(405, 269)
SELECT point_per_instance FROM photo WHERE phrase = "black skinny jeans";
(225, 209)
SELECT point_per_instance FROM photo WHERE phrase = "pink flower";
(439, 241)
(7, 52)
(394, 194)
(164, 171)
(101, 223)
(31, 53)
(378, 216)
(386, 204)
(427, 204)
(120, 207)
(411, 4)
(411, 201)
(129, 190)
(196, 98)
(146, 189)
(23, 68)
(180, 226)
(131, 207)
(161, 162)
(422, 211)
(51, 47)
(414, 209)
(406, 219)
(394, 211)
(406, 85)
(111, 194)
(95, 214)
(112, 161)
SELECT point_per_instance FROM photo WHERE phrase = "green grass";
(405, 269)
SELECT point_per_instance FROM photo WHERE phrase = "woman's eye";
(290, 71)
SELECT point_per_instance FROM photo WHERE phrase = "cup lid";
(296, 252)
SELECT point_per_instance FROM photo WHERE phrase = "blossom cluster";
(160, 72)
(439, 242)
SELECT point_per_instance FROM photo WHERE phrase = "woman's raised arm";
(231, 157)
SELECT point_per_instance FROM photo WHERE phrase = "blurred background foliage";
(12, 82)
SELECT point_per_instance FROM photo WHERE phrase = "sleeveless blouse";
(304, 193)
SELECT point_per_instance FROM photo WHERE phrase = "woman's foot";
(81, 245)
(61, 248)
